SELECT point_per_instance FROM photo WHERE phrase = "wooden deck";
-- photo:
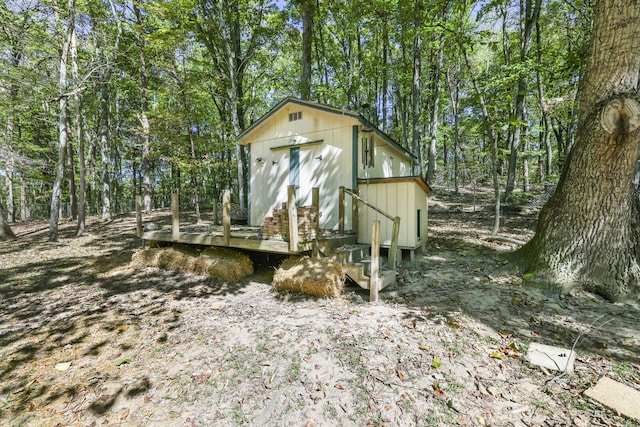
(247, 238)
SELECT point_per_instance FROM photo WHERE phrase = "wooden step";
(356, 271)
(349, 253)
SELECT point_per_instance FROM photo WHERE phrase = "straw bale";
(314, 276)
(223, 264)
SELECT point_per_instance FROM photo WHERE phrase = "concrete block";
(550, 357)
(616, 396)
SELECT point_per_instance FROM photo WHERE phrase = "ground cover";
(87, 340)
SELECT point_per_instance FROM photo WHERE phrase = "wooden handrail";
(396, 222)
(375, 208)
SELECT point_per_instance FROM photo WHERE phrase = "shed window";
(419, 222)
(295, 116)
(367, 152)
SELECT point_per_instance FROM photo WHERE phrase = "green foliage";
(214, 67)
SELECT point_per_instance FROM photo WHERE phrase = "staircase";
(357, 265)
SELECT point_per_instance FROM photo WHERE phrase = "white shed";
(307, 144)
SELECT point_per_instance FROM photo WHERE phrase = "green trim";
(249, 184)
(354, 157)
(302, 144)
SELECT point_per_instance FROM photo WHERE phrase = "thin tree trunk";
(71, 171)
(416, 90)
(62, 122)
(544, 110)
(454, 91)
(25, 213)
(307, 39)
(79, 138)
(488, 128)
(433, 125)
(144, 120)
(529, 13)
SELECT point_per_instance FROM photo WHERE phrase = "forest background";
(101, 101)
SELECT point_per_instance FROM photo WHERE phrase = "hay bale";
(314, 276)
(223, 264)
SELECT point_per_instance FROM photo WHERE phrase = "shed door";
(294, 167)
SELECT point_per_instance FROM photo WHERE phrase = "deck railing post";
(293, 218)
(315, 202)
(226, 216)
(139, 216)
(175, 217)
(393, 251)
(374, 278)
(354, 212)
(341, 209)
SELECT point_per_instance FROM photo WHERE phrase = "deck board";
(245, 238)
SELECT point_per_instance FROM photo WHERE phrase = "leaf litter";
(154, 347)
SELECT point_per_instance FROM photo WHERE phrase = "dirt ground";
(86, 341)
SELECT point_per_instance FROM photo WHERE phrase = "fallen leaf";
(497, 355)
(124, 414)
(424, 347)
(123, 361)
(400, 374)
(310, 424)
(436, 362)
(339, 386)
(438, 393)
(122, 328)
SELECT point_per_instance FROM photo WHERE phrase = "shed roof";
(326, 108)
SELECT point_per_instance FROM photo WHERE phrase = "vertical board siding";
(401, 199)
(341, 140)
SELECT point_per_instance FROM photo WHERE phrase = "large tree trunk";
(588, 233)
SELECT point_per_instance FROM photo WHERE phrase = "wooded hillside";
(101, 101)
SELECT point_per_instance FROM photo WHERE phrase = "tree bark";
(144, 120)
(307, 39)
(62, 123)
(491, 135)
(71, 170)
(5, 230)
(529, 14)
(417, 86)
(588, 232)
(435, 112)
(82, 190)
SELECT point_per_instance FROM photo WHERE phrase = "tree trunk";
(545, 135)
(529, 13)
(588, 232)
(79, 138)
(144, 120)
(71, 171)
(491, 135)
(307, 38)
(62, 123)
(433, 125)
(417, 86)
(5, 230)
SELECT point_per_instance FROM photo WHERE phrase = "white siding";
(269, 180)
(403, 199)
